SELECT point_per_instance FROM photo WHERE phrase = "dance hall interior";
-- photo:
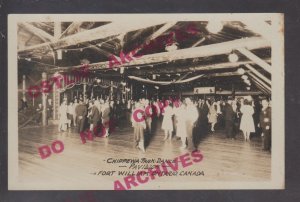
(94, 92)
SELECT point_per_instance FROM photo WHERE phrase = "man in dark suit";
(95, 118)
(81, 112)
(202, 120)
(265, 124)
(229, 119)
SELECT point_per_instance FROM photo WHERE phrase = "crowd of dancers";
(186, 120)
(189, 120)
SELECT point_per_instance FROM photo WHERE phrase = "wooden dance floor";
(224, 159)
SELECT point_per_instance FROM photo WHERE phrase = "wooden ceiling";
(39, 44)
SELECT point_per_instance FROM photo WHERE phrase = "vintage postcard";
(146, 101)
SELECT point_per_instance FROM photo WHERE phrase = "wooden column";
(131, 91)
(111, 90)
(84, 89)
(44, 98)
(54, 100)
(24, 87)
(233, 91)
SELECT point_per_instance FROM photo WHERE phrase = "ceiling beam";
(255, 59)
(102, 32)
(71, 29)
(259, 81)
(36, 31)
(236, 73)
(260, 87)
(257, 73)
(161, 30)
(212, 67)
(157, 33)
(195, 52)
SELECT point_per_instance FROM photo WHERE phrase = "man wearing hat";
(81, 112)
(229, 115)
(191, 116)
(265, 124)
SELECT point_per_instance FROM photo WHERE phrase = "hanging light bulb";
(233, 57)
(98, 80)
(171, 47)
(241, 71)
(247, 82)
(154, 76)
(244, 77)
(59, 54)
(156, 87)
(248, 88)
(214, 26)
(138, 67)
(123, 83)
(121, 70)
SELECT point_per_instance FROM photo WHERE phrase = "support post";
(24, 87)
(54, 100)
(44, 98)
(84, 89)
(111, 90)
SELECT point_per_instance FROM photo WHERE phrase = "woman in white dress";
(247, 123)
(212, 116)
(138, 126)
(63, 118)
(167, 124)
(181, 125)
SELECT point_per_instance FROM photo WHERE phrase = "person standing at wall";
(265, 124)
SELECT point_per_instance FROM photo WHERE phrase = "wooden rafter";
(161, 30)
(102, 32)
(255, 59)
(254, 77)
(259, 86)
(195, 52)
(71, 29)
(158, 32)
(236, 73)
(36, 31)
(257, 73)
(218, 66)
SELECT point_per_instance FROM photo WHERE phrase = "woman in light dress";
(139, 127)
(247, 122)
(212, 115)
(181, 125)
(167, 124)
(63, 118)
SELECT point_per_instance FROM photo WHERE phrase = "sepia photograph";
(146, 101)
